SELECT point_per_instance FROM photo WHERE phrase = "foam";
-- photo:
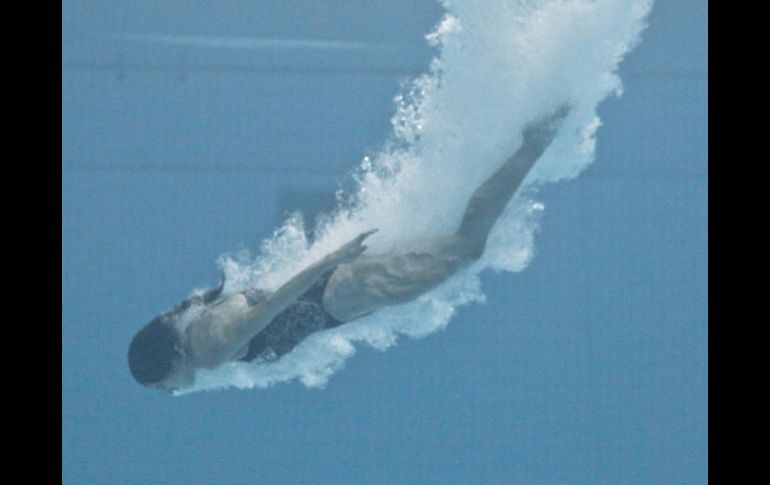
(499, 65)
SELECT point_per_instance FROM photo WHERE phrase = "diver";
(210, 329)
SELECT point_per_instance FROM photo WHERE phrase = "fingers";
(366, 234)
(358, 247)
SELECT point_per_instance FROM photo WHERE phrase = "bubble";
(499, 65)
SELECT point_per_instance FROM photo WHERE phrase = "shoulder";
(208, 340)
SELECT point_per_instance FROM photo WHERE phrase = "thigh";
(394, 278)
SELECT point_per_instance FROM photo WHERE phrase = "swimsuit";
(305, 316)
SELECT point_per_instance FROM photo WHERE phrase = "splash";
(499, 65)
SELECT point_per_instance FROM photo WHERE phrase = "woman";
(207, 331)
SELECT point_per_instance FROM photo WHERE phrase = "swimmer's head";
(154, 354)
(155, 357)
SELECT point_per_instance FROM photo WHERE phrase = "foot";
(541, 132)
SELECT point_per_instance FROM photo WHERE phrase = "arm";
(218, 336)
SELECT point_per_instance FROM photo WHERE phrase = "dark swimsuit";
(301, 319)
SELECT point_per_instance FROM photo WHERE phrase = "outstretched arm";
(218, 336)
(295, 287)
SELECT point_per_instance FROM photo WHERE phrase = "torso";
(303, 317)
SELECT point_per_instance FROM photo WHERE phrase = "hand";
(350, 251)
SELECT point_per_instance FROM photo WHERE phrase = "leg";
(372, 282)
(489, 200)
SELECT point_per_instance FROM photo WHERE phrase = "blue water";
(574, 352)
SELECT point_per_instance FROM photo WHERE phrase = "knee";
(470, 249)
(475, 252)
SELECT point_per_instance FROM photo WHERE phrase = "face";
(181, 377)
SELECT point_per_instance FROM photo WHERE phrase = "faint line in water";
(250, 43)
(119, 65)
(197, 168)
(239, 68)
(330, 172)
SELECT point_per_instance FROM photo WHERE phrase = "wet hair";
(153, 350)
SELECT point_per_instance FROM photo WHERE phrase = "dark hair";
(153, 350)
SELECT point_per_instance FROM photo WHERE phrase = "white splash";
(499, 65)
